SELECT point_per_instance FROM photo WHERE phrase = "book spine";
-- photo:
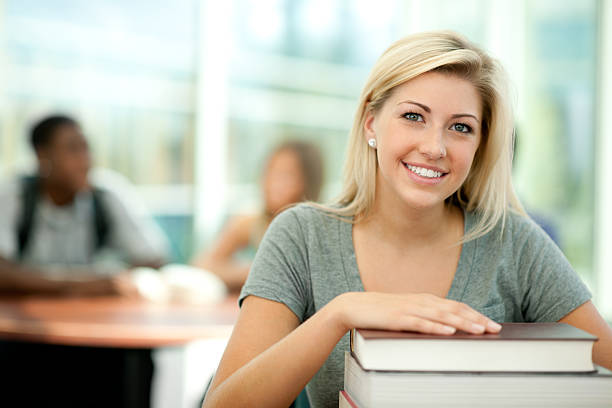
(345, 401)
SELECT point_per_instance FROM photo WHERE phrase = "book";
(369, 388)
(519, 347)
(345, 401)
(178, 284)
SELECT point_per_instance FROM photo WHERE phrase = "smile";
(423, 172)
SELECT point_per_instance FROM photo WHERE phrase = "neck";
(394, 221)
(57, 194)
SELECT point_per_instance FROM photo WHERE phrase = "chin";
(421, 201)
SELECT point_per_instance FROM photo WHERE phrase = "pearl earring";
(372, 143)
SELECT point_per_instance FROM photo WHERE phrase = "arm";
(22, 279)
(261, 368)
(587, 318)
(219, 259)
(270, 358)
(134, 234)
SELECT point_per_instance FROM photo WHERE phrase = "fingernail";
(477, 327)
(448, 329)
(494, 326)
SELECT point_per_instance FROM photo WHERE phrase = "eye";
(414, 117)
(461, 127)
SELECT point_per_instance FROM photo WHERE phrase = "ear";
(41, 154)
(44, 162)
(368, 126)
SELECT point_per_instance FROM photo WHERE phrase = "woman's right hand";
(421, 312)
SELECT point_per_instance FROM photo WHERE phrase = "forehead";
(441, 92)
(284, 157)
(66, 133)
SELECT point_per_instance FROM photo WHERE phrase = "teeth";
(424, 172)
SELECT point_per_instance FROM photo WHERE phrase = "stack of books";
(525, 365)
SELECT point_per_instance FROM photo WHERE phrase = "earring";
(372, 143)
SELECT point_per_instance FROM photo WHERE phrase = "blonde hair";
(488, 187)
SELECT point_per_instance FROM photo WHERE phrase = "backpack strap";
(30, 191)
(102, 222)
(29, 197)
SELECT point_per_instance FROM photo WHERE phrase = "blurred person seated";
(293, 173)
(62, 233)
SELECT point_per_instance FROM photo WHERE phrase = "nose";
(433, 144)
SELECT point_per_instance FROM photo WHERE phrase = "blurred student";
(62, 234)
(293, 173)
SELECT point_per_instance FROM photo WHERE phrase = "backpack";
(30, 188)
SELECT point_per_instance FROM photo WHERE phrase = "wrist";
(338, 311)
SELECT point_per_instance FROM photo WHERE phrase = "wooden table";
(113, 322)
(130, 327)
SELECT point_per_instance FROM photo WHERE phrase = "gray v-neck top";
(307, 258)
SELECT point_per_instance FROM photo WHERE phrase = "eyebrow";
(461, 115)
(424, 107)
(428, 110)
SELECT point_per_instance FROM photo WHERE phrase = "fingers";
(423, 313)
(426, 326)
(455, 314)
(473, 321)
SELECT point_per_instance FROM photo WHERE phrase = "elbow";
(207, 403)
(211, 400)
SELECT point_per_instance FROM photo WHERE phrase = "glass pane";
(554, 160)
(298, 67)
(127, 75)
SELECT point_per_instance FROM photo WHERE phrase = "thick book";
(394, 389)
(345, 401)
(520, 347)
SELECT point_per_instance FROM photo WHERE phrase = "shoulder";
(240, 226)
(517, 239)
(116, 193)
(11, 193)
(303, 225)
(11, 196)
(525, 234)
(520, 226)
(307, 217)
(514, 228)
(10, 189)
(513, 237)
(310, 212)
(111, 202)
(243, 221)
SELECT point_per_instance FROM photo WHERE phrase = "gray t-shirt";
(307, 258)
(62, 237)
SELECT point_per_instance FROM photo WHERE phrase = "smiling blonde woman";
(488, 188)
(427, 235)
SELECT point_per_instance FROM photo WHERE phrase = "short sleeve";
(133, 232)
(280, 269)
(551, 288)
(10, 204)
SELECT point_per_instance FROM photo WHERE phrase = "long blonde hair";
(488, 187)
